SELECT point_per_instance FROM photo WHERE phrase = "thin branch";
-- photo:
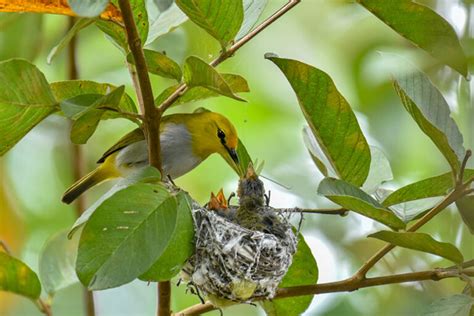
(182, 88)
(152, 116)
(164, 295)
(347, 285)
(324, 211)
(44, 307)
(450, 198)
(463, 167)
(78, 157)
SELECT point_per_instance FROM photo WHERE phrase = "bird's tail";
(102, 173)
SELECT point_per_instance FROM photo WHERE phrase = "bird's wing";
(134, 136)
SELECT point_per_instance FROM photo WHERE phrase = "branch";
(152, 117)
(347, 285)
(77, 160)
(324, 211)
(182, 88)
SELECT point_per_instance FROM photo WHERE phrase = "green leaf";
(140, 16)
(220, 18)
(465, 207)
(17, 277)
(408, 211)
(431, 112)
(126, 235)
(331, 119)
(244, 160)
(421, 242)
(66, 91)
(430, 187)
(115, 33)
(303, 271)
(456, 305)
(148, 174)
(252, 11)
(407, 18)
(56, 263)
(25, 100)
(180, 246)
(159, 64)
(353, 198)
(165, 21)
(88, 8)
(380, 170)
(197, 73)
(78, 26)
(236, 83)
(88, 120)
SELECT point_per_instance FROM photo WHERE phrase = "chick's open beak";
(233, 154)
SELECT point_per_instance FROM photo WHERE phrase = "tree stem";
(77, 154)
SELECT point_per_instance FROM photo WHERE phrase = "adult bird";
(186, 141)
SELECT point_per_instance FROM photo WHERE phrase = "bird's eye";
(220, 134)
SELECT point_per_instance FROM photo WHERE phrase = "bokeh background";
(338, 37)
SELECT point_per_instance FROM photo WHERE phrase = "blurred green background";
(338, 37)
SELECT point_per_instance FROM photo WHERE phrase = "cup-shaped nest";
(236, 263)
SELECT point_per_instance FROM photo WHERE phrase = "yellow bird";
(186, 141)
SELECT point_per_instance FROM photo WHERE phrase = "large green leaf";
(17, 277)
(115, 33)
(87, 121)
(252, 11)
(29, 44)
(57, 261)
(353, 198)
(456, 305)
(220, 18)
(160, 64)
(380, 170)
(148, 174)
(423, 27)
(421, 242)
(126, 235)
(165, 21)
(197, 73)
(236, 83)
(431, 112)
(180, 246)
(64, 91)
(303, 271)
(88, 8)
(78, 26)
(25, 100)
(430, 187)
(331, 119)
(465, 207)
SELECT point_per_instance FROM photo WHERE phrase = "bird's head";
(214, 133)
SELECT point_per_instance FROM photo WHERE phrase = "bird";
(186, 139)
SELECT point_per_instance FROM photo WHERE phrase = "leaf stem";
(324, 211)
(182, 88)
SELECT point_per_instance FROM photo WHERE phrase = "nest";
(238, 262)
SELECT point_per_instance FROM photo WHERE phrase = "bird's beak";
(233, 154)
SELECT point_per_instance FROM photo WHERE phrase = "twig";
(43, 307)
(324, 211)
(152, 116)
(347, 285)
(77, 155)
(136, 118)
(182, 88)
(460, 178)
(164, 298)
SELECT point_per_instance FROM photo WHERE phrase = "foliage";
(143, 229)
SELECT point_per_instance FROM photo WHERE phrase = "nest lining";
(236, 263)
